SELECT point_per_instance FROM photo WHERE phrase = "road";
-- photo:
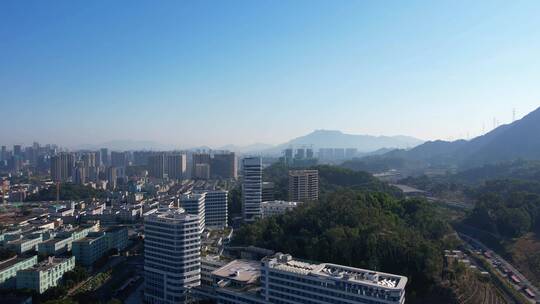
(113, 261)
(524, 281)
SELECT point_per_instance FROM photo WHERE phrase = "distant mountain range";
(128, 145)
(316, 140)
(337, 139)
(518, 140)
(366, 144)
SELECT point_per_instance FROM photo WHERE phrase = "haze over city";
(189, 73)
(269, 152)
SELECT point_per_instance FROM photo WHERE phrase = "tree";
(360, 229)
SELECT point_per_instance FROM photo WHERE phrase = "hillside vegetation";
(367, 230)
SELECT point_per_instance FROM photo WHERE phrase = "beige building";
(303, 185)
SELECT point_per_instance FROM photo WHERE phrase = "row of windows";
(154, 248)
(183, 230)
(321, 293)
(338, 285)
(152, 243)
(164, 268)
(179, 266)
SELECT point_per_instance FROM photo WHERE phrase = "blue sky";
(216, 72)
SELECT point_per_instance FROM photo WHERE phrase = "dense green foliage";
(331, 178)
(368, 230)
(439, 186)
(77, 275)
(378, 163)
(519, 169)
(278, 173)
(509, 208)
(68, 191)
(506, 196)
(235, 202)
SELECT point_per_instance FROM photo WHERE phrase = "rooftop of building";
(242, 271)
(90, 238)
(55, 240)
(192, 196)
(46, 264)
(302, 172)
(280, 203)
(6, 263)
(115, 229)
(171, 214)
(285, 262)
(23, 240)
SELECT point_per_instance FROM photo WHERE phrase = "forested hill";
(518, 140)
(331, 178)
(508, 208)
(367, 230)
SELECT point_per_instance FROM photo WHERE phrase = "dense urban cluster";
(74, 221)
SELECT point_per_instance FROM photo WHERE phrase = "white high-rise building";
(194, 203)
(251, 188)
(172, 256)
(215, 214)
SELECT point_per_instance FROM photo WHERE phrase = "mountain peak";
(326, 132)
(517, 140)
(322, 138)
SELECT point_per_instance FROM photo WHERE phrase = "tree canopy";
(366, 230)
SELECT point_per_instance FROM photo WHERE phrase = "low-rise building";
(238, 282)
(44, 275)
(117, 238)
(56, 246)
(288, 280)
(282, 279)
(9, 268)
(23, 245)
(272, 208)
(10, 235)
(90, 248)
(97, 244)
(209, 264)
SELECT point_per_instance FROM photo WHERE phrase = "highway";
(525, 283)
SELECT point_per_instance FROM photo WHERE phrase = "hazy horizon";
(189, 74)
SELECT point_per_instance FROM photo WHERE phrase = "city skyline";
(197, 74)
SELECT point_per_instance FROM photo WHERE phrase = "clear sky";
(216, 72)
